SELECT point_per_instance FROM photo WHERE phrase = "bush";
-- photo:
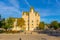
(1, 31)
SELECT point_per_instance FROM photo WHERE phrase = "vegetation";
(54, 24)
(7, 24)
(41, 25)
(0, 24)
(0, 21)
(59, 25)
(21, 22)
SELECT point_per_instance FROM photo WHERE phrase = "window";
(32, 24)
(37, 24)
(37, 20)
(32, 21)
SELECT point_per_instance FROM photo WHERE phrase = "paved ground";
(33, 36)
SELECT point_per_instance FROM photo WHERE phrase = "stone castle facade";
(31, 18)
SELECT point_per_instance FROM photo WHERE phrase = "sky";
(49, 10)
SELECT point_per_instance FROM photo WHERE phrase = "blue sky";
(49, 10)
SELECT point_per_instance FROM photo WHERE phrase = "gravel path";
(33, 36)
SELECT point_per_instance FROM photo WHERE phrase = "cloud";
(48, 12)
(14, 3)
(8, 10)
(27, 3)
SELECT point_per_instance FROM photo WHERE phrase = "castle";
(31, 18)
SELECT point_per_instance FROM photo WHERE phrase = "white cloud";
(7, 11)
(27, 3)
(48, 12)
(14, 3)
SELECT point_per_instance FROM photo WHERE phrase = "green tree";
(6, 27)
(54, 24)
(41, 25)
(3, 22)
(8, 23)
(0, 17)
(0, 24)
(0, 21)
(21, 22)
(59, 25)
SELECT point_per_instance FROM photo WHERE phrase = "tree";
(3, 22)
(6, 27)
(0, 24)
(59, 25)
(41, 25)
(54, 24)
(0, 17)
(8, 23)
(20, 22)
(0, 21)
